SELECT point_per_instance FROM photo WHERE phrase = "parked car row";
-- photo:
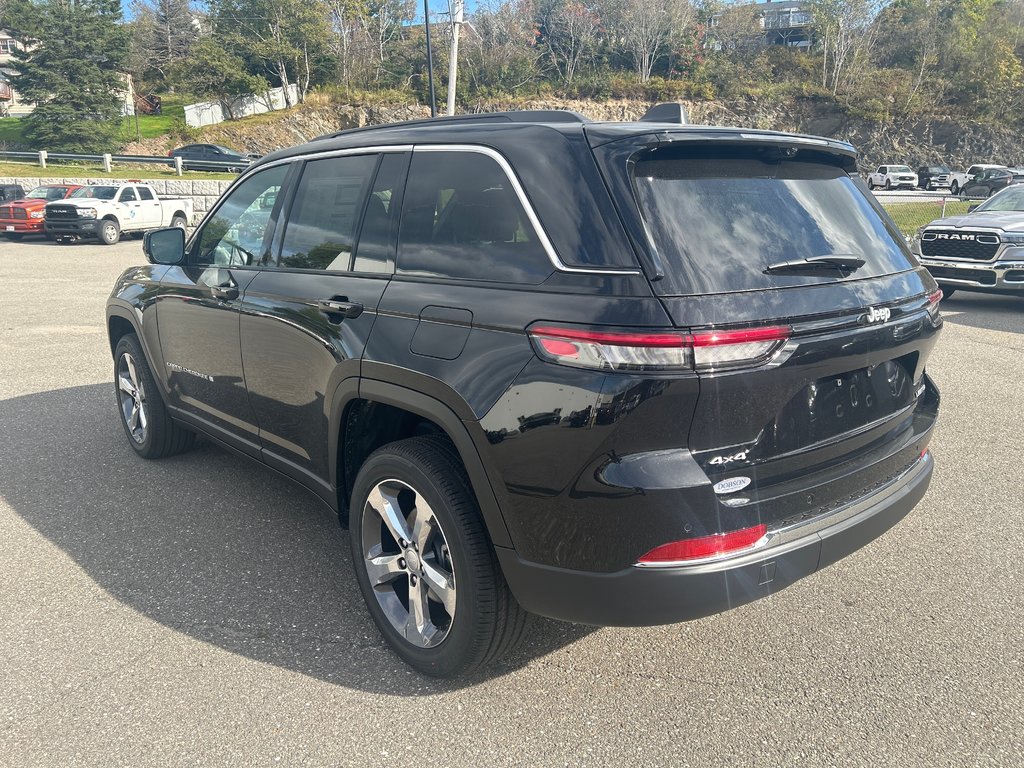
(66, 212)
(980, 180)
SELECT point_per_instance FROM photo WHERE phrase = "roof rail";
(670, 112)
(519, 116)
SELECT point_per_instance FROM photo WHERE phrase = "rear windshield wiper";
(843, 262)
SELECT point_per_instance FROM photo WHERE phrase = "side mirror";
(165, 246)
(972, 208)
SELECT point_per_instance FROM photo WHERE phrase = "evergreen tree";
(73, 71)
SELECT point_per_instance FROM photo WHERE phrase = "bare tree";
(645, 30)
(569, 34)
(846, 31)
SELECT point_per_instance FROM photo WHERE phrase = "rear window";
(718, 221)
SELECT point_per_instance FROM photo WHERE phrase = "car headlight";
(37, 214)
(87, 213)
(1016, 238)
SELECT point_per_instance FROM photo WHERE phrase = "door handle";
(340, 305)
(226, 292)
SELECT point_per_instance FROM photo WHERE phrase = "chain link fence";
(911, 212)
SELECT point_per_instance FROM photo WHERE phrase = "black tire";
(14, 236)
(486, 621)
(180, 222)
(888, 185)
(954, 188)
(109, 231)
(946, 292)
(159, 436)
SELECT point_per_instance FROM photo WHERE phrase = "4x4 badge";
(879, 315)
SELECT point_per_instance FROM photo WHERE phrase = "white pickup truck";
(105, 211)
(958, 179)
(893, 177)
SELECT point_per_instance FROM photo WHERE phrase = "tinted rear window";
(718, 222)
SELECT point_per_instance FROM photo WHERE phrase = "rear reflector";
(705, 546)
(639, 351)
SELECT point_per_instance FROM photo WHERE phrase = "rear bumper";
(646, 596)
(1000, 275)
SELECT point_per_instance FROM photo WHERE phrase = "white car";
(893, 177)
(105, 211)
(958, 179)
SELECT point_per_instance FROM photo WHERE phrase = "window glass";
(97, 191)
(238, 232)
(461, 218)
(719, 222)
(322, 221)
(145, 193)
(128, 195)
(381, 215)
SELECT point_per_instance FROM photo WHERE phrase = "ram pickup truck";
(104, 211)
(981, 251)
(893, 177)
(25, 216)
(958, 179)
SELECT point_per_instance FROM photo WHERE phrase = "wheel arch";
(397, 413)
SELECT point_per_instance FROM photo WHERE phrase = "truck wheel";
(15, 236)
(947, 292)
(150, 430)
(888, 184)
(424, 562)
(180, 222)
(110, 231)
(955, 188)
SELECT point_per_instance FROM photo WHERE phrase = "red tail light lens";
(933, 303)
(705, 546)
(638, 351)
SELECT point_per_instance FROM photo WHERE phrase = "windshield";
(1010, 199)
(899, 169)
(938, 169)
(47, 193)
(100, 193)
(719, 222)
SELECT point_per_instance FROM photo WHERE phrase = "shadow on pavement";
(208, 544)
(991, 312)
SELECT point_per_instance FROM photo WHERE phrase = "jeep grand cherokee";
(613, 373)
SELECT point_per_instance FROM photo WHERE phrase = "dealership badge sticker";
(731, 484)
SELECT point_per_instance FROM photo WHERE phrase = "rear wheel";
(424, 562)
(110, 231)
(150, 430)
(179, 222)
(947, 292)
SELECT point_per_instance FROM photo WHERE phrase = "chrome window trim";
(542, 236)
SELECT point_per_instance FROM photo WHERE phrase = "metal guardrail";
(180, 165)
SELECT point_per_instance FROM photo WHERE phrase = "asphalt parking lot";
(201, 611)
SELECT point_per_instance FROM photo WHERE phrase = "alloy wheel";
(132, 396)
(408, 563)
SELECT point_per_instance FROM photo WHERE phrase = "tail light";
(640, 351)
(933, 303)
(705, 546)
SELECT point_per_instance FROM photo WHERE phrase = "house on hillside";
(773, 22)
(10, 102)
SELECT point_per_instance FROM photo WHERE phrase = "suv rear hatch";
(751, 230)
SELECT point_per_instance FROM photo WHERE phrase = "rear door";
(307, 315)
(812, 386)
(150, 212)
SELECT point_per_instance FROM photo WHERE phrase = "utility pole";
(430, 59)
(458, 11)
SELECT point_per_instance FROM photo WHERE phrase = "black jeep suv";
(612, 373)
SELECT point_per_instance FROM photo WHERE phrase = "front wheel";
(888, 185)
(110, 231)
(148, 426)
(15, 236)
(946, 292)
(424, 562)
(954, 189)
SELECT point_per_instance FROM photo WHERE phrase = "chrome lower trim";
(999, 269)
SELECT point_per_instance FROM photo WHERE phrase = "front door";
(306, 318)
(198, 311)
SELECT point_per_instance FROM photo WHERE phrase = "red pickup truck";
(25, 216)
